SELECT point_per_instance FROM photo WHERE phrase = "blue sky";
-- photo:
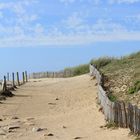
(40, 35)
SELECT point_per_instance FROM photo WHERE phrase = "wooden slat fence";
(124, 115)
(61, 74)
(7, 84)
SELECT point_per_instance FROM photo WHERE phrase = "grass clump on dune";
(101, 62)
(135, 88)
(122, 76)
(78, 70)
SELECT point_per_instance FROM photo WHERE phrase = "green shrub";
(112, 97)
(137, 85)
(135, 88)
(131, 90)
(111, 125)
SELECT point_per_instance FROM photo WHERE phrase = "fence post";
(26, 76)
(23, 77)
(7, 76)
(69, 73)
(64, 73)
(13, 79)
(4, 84)
(18, 79)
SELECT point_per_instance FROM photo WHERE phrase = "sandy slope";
(65, 108)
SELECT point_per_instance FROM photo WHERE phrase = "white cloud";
(10, 31)
(68, 40)
(21, 22)
(123, 1)
(24, 19)
(1, 15)
(87, 1)
(96, 2)
(101, 31)
(55, 32)
(19, 9)
(73, 21)
(78, 24)
(4, 5)
(39, 30)
(134, 18)
(73, 30)
(107, 26)
(17, 6)
(67, 2)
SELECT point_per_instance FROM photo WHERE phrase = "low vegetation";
(111, 125)
(122, 77)
(78, 70)
(138, 138)
(135, 88)
(112, 97)
(101, 62)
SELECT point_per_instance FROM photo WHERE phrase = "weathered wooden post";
(13, 79)
(4, 84)
(69, 73)
(23, 77)
(64, 74)
(26, 76)
(7, 76)
(18, 82)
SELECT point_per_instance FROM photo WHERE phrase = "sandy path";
(66, 108)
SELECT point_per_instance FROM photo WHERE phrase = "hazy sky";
(40, 35)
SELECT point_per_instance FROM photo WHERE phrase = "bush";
(135, 88)
(112, 97)
(131, 90)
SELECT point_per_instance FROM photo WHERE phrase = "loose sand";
(64, 109)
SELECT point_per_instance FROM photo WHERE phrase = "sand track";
(66, 108)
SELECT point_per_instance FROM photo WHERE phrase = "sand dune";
(56, 109)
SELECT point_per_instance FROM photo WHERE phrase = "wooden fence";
(8, 84)
(61, 74)
(124, 115)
